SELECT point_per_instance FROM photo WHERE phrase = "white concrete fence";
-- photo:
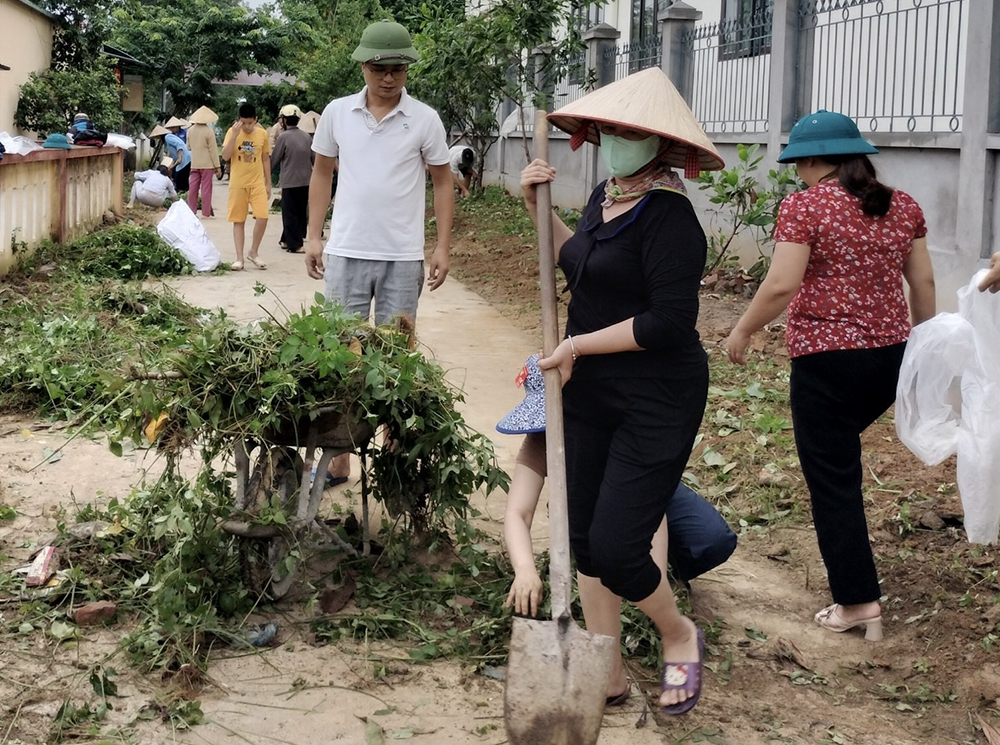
(57, 195)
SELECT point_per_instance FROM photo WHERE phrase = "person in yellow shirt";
(249, 152)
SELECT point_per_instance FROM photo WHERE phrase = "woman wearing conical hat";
(634, 372)
(204, 160)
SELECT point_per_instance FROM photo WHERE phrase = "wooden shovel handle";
(559, 571)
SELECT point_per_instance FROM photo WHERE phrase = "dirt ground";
(772, 677)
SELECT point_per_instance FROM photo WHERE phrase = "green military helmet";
(825, 133)
(386, 42)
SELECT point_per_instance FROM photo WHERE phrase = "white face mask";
(624, 157)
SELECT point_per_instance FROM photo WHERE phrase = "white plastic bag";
(18, 145)
(948, 401)
(123, 141)
(929, 395)
(183, 231)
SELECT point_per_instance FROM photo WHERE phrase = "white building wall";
(26, 47)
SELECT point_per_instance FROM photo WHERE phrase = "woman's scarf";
(660, 177)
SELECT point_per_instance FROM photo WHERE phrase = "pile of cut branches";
(125, 251)
(229, 383)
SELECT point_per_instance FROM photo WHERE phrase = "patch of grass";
(496, 212)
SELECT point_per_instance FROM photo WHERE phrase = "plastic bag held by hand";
(948, 401)
(180, 229)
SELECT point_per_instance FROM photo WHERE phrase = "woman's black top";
(646, 264)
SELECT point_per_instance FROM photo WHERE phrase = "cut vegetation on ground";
(85, 355)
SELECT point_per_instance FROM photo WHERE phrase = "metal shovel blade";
(557, 679)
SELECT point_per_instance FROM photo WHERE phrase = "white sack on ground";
(183, 231)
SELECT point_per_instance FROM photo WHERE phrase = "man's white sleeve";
(435, 145)
(324, 140)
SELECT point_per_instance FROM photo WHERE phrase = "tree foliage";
(50, 99)
(470, 64)
(190, 43)
(84, 27)
(318, 39)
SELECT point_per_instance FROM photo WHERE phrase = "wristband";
(572, 347)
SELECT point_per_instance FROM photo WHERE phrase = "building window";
(643, 25)
(745, 29)
(584, 17)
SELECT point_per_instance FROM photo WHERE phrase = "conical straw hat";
(204, 115)
(309, 121)
(176, 121)
(158, 131)
(646, 101)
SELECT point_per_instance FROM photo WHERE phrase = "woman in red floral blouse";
(843, 247)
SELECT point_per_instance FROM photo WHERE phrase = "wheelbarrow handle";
(559, 567)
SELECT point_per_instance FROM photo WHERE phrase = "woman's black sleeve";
(673, 259)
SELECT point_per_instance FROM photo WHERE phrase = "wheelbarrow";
(282, 478)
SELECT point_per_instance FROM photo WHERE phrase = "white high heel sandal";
(830, 619)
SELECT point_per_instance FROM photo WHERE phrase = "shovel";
(557, 673)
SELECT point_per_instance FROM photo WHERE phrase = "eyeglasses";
(397, 71)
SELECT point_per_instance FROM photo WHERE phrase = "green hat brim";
(819, 148)
(382, 57)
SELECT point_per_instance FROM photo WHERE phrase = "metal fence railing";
(624, 59)
(731, 66)
(892, 65)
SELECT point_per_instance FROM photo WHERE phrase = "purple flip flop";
(684, 676)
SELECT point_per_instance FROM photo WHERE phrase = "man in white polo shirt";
(383, 141)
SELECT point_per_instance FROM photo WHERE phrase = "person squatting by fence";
(461, 160)
(153, 187)
(843, 247)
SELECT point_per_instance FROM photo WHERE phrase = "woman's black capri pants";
(627, 444)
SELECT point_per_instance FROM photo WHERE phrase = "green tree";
(190, 43)
(408, 11)
(84, 27)
(49, 100)
(317, 41)
(470, 64)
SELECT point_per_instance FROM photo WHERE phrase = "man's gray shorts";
(394, 285)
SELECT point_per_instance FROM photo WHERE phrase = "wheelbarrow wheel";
(268, 564)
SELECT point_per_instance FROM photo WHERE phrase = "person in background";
(843, 247)
(293, 156)
(381, 140)
(204, 160)
(249, 153)
(177, 150)
(461, 161)
(81, 123)
(178, 126)
(991, 281)
(153, 187)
